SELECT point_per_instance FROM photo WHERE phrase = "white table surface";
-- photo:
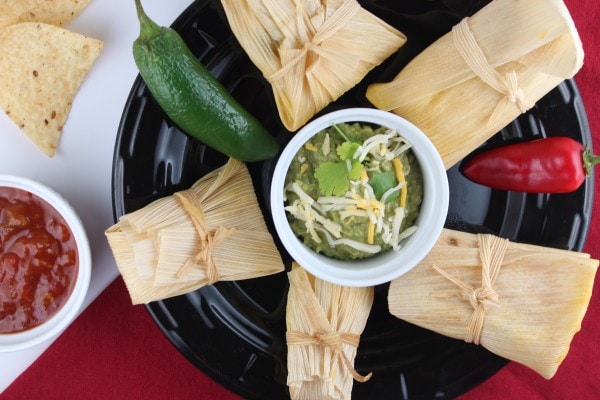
(81, 170)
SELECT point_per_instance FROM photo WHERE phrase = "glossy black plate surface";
(235, 331)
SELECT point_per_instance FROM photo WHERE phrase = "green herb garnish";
(332, 178)
(381, 182)
(347, 150)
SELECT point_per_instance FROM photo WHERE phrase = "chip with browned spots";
(54, 12)
(42, 67)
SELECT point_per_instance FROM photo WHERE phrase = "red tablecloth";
(115, 351)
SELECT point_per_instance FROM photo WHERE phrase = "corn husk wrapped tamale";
(522, 302)
(214, 231)
(491, 67)
(311, 51)
(324, 322)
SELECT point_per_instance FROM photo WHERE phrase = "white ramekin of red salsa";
(45, 263)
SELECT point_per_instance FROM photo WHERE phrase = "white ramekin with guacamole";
(359, 196)
(354, 190)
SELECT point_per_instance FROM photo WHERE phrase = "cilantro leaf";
(346, 150)
(333, 178)
(381, 182)
(356, 169)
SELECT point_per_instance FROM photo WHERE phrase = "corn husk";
(539, 296)
(532, 45)
(311, 51)
(324, 322)
(212, 232)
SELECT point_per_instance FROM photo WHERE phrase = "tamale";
(214, 231)
(324, 322)
(522, 302)
(479, 77)
(311, 51)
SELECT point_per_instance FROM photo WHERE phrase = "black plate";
(234, 331)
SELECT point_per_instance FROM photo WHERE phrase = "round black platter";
(235, 331)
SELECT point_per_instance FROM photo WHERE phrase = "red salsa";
(38, 260)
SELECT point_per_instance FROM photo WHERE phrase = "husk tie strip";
(208, 240)
(338, 19)
(473, 55)
(491, 250)
(333, 340)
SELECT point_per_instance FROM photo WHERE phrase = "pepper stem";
(589, 160)
(148, 28)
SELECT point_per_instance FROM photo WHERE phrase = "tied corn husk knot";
(324, 322)
(507, 84)
(333, 340)
(533, 297)
(291, 57)
(310, 51)
(213, 231)
(491, 250)
(191, 204)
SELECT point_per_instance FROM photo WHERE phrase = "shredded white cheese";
(345, 214)
(364, 247)
(326, 148)
(399, 214)
(367, 248)
(304, 197)
(391, 191)
(373, 142)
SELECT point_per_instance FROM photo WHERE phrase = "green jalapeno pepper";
(193, 99)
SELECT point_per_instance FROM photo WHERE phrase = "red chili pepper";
(549, 165)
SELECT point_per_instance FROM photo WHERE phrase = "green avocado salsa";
(354, 190)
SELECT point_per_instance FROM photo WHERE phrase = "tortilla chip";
(41, 69)
(54, 12)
